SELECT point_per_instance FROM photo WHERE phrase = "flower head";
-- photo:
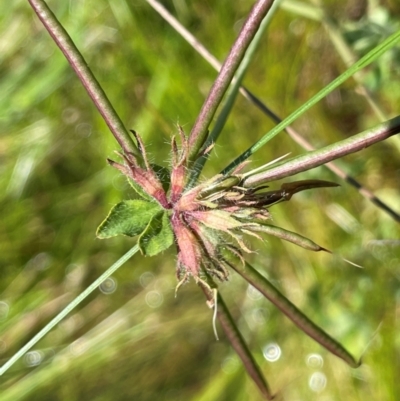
(204, 219)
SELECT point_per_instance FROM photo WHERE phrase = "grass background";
(133, 339)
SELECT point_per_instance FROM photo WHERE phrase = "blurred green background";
(133, 339)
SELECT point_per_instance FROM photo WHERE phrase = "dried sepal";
(147, 178)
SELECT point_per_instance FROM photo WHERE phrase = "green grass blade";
(339, 42)
(68, 309)
(363, 62)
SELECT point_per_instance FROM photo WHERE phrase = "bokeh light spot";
(317, 382)
(108, 286)
(154, 299)
(33, 358)
(272, 352)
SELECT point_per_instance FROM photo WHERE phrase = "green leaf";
(128, 218)
(157, 236)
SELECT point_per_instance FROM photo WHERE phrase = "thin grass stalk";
(321, 156)
(254, 278)
(238, 343)
(199, 132)
(85, 75)
(199, 47)
(73, 304)
(202, 50)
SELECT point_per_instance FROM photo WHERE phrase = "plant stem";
(69, 308)
(77, 62)
(199, 131)
(321, 156)
(202, 50)
(331, 165)
(372, 55)
(238, 343)
(232, 93)
(253, 277)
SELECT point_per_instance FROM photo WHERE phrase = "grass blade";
(68, 309)
(363, 62)
(317, 13)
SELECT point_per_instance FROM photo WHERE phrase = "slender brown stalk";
(85, 75)
(321, 156)
(199, 47)
(200, 129)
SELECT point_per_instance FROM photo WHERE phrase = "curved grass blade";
(294, 314)
(363, 62)
(69, 308)
(238, 343)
